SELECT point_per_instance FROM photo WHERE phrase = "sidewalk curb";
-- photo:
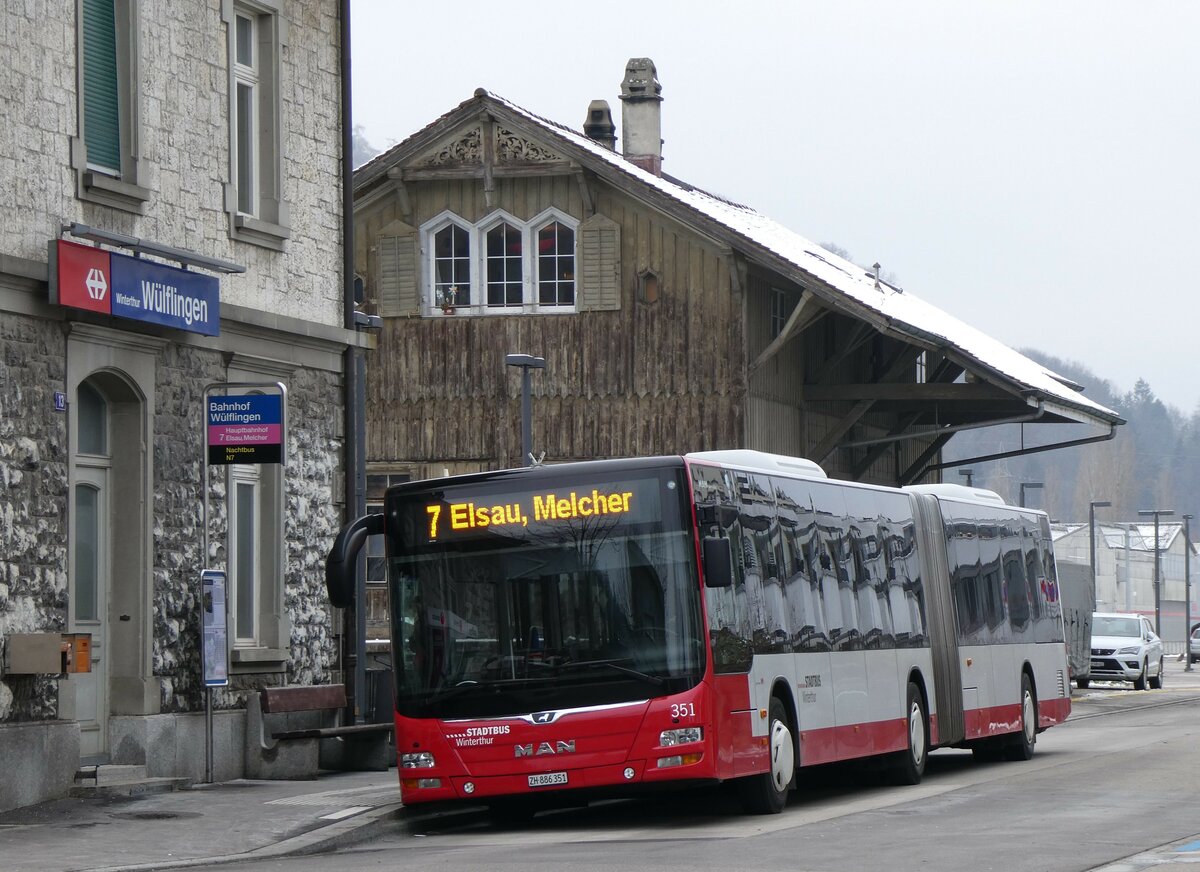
(311, 842)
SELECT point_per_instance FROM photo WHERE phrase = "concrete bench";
(293, 732)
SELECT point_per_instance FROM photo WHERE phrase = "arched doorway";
(106, 571)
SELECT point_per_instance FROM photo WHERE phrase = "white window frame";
(477, 236)
(265, 218)
(543, 218)
(246, 76)
(429, 231)
(479, 261)
(244, 475)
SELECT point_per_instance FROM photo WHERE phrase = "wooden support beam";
(489, 160)
(827, 445)
(585, 193)
(906, 392)
(901, 360)
(403, 201)
(909, 474)
(861, 333)
(806, 313)
(946, 371)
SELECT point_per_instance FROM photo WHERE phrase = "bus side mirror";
(342, 563)
(718, 562)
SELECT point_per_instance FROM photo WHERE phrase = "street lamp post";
(526, 362)
(1029, 485)
(1157, 513)
(1092, 506)
(1187, 593)
(967, 474)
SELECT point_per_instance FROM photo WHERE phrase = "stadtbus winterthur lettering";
(471, 515)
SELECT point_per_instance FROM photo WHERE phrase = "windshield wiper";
(614, 665)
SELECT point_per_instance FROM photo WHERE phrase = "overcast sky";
(1030, 167)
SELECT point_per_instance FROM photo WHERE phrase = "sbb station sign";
(140, 290)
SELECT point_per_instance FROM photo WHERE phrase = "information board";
(246, 428)
(213, 628)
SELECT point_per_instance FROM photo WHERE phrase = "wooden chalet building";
(670, 320)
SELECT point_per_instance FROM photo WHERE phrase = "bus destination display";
(461, 515)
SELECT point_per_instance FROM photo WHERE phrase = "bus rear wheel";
(1019, 745)
(911, 765)
(767, 792)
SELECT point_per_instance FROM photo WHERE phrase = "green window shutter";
(397, 254)
(101, 109)
(599, 269)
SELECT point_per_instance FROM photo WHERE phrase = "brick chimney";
(641, 115)
(599, 124)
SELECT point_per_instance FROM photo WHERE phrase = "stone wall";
(33, 499)
(181, 375)
(312, 520)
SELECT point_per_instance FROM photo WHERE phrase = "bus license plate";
(544, 779)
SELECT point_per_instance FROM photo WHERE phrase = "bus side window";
(802, 575)
(762, 596)
(837, 593)
(1016, 586)
(1051, 629)
(963, 540)
(991, 579)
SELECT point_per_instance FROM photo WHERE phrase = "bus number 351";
(683, 710)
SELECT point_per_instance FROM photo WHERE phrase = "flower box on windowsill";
(447, 310)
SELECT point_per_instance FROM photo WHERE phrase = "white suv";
(1126, 648)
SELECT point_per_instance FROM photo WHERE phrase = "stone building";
(171, 180)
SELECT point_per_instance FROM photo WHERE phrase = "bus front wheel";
(767, 792)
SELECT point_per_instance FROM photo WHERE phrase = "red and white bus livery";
(723, 616)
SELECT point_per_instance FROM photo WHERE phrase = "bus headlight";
(418, 760)
(684, 736)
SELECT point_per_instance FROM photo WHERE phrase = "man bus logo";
(542, 717)
(96, 284)
(545, 748)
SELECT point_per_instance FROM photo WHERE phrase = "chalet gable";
(480, 143)
(702, 306)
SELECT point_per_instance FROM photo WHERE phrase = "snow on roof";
(901, 310)
(1141, 536)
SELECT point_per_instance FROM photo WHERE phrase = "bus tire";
(1020, 744)
(767, 792)
(911, 765)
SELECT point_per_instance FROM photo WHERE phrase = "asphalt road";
(1117, 779)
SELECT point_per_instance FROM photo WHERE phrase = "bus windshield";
(522, 593)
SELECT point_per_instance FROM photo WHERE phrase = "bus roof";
(957, 492)
(760, 461)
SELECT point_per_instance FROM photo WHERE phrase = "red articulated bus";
(566, 631)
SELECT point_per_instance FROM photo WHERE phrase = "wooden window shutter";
(101, 109)
(398, 291)
(599, 269)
